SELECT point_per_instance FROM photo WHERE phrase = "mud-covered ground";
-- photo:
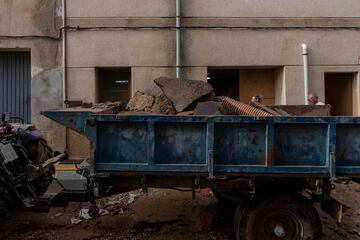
(162, 215)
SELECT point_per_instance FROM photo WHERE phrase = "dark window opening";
(242, 84)
(338, 93)
(225, 82)
(113, 84)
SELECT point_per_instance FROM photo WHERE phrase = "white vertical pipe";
(306, 72)
(178, 38)
(64, 55)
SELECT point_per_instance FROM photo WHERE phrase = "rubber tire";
(247, 215)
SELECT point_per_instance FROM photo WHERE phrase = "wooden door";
(257, 82)
(338, 93)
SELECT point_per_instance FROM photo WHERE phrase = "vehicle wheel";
(280, 218)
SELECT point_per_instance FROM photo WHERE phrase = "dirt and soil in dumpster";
(160, 215)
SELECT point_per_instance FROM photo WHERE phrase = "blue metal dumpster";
(328, 146)
(269, 156)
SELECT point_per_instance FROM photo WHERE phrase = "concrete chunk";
(183, 93)
(163, 105)
(140, 102)
(208, 108)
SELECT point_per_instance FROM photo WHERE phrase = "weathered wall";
(33, 25)
(30, 17)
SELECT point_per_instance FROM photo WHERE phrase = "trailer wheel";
(281, 218)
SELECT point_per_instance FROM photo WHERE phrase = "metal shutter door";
(15, 84)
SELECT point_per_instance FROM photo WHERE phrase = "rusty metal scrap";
(239, 108)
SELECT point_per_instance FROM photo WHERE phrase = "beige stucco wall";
(214, 8)
(272, 8)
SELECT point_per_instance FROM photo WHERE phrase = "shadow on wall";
(46, 94)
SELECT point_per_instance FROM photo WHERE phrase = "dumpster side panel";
(240, 144)
(300, 144)
(180, 143)
(348, 145)
(122, 143)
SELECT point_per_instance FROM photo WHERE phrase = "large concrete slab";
(182, 92)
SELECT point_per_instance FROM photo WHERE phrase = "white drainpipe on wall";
(306, 72)
(64, 55)
(178, 38)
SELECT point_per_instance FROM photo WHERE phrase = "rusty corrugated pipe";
(239, 108)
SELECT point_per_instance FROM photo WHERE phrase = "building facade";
(243, 47)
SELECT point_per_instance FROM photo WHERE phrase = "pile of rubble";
(188, 97)
(177, 96)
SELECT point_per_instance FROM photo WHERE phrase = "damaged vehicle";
(26, 165)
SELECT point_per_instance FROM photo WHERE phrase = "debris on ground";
(180, 218)
(183, 92)
(75, 221)
(58, 215)
(112, 205)
(118, 203)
